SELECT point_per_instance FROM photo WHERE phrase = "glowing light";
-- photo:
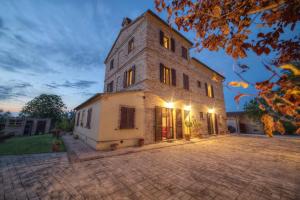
(211, 110)
(170, 105)
(187, 107)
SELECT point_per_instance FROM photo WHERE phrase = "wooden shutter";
(216, 123)
(78, 118)
(131, 113)
(186, 82)
(123, 120)
(178, 124)
(125, 80)
(209, 123)
(161, 38)
(173, 77)
(158, 123)
(173, 44)
(212, 92)
(161, 72)
(206, 89)
(133, 74)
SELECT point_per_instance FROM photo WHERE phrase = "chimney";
(126, 21)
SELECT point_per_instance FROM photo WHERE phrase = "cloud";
(80, 84)
(15, 90)
(38, 41)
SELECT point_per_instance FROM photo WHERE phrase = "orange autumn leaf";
(298, 131)
(279, 127)
(268, 122)
(237, 97)
(292, 68)
(238, 84)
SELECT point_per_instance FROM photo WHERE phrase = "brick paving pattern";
(222, 168)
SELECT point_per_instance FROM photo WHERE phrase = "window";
(127, 116)
(184, 52)
(186, 82)
(167, 75)
(209, 90)
(89, 118)
(129, 77)
(82, 117)
(172, 44)
(166, 42)
(201, 115)
(199, 84)
(110, 87)
(78, 118)
(130, 45)
(111, 64)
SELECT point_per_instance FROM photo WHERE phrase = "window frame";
(184, 52)
(166, 41)
(186, 82)
(129, 120)
(110, 87)
(130, 45)
(89, 118)
(111, 65)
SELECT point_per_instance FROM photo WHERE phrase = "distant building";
(25, 126)
(239, 122)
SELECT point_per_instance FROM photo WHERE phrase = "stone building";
(154, 89)
(239, 122)
(25, 126)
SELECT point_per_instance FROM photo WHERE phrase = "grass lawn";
(28, 145)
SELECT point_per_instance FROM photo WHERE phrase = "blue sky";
(59, 46)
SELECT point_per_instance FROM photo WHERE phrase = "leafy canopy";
(45, 106)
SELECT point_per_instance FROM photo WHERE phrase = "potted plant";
(56, 145)
(141, 142)
(114, 146)
(189, 125)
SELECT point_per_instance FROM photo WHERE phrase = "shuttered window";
(184, 52)
(186, 82)
(130, 45)
(89, 118)
(173, 45)
(110, 86)
(111, 64)
(209, 90)
(167, 75)
(82, 118)
(129, 77)
(78, 118)
(199, 84)
(127, 117)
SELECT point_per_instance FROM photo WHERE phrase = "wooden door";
(178, 124)
(158, 124)
(216, 124)
(209, 123)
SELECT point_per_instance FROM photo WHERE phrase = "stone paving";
(220, 168)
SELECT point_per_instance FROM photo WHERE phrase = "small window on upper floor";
(130, 45)
(166, 42)
(129, 77)
(167, 75)
(111, 66)
(209, 90)
(184, 52)
(199, 84)
(186, 82)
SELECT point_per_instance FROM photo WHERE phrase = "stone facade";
(163, 110)
(146, 56)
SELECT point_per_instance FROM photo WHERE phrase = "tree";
(66, 123)
(252, 109)
(228, 25)
(45, 106)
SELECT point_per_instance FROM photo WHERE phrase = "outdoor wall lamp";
(211, 110)
(170, 105)
(188, 107)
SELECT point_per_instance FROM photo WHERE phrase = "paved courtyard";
(230, 167)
